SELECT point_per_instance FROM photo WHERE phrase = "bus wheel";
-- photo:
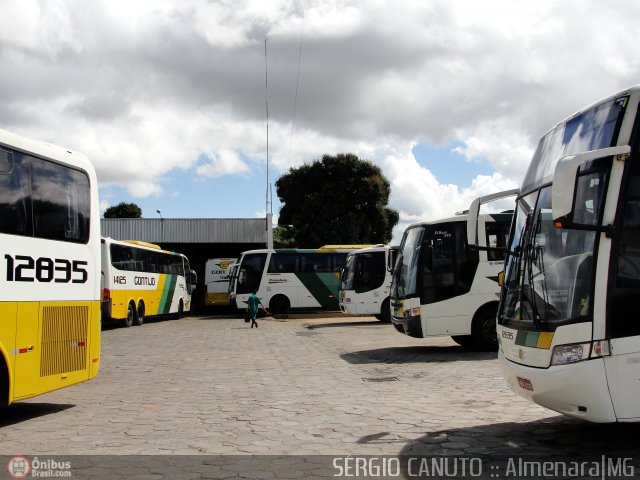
(131, 315)
(385, 313)
(279, 304)
(464, 340)
(180, 312)
(140, 314)
(4, 382)
(484, 330)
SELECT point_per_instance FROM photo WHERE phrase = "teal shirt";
(253, 301)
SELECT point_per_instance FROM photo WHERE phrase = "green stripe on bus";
(323, 287)
(167, 294)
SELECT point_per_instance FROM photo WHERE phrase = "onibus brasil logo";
(19, 467)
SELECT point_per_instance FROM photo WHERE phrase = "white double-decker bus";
(142, 280)
(441, 286)
(365, 282)
(49, 268)
(568, 324)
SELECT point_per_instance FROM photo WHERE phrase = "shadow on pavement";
(557, 436)
(117, 324)
(416, 354)
(21, 412)
(361, 323)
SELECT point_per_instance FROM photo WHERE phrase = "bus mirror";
(193, 280)
(501, 278)
(474, 211)
(393, 253)
(565, 185)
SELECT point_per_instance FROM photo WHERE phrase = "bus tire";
(180, 313)
(385, 312)
(140, 313)
(484, 329)
(279, 304)
(4, 381)
(131, 315)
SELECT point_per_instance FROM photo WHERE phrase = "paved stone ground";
(296, 386)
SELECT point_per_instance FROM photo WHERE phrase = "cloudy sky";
(167, 97)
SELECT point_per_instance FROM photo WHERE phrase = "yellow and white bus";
(217, 273)
(50, 268)
(140, 279)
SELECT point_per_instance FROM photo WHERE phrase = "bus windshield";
(590, 130)
(406, 270)
(549, 277)
(250, 272)
(434, 263)
(364, 272)
(549, 270)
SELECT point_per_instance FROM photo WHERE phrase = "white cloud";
(150, 86)
(224, 162)
(507, 147)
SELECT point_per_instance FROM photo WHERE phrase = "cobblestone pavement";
(302, 386)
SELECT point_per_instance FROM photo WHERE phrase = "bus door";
(249, 276)
(448, 272)
(623, 367)
(281, 278)
(27, 349)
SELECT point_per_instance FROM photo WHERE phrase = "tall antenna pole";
(269, 204)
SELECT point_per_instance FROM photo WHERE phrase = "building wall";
(198, 238)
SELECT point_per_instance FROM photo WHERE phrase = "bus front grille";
(64, 339)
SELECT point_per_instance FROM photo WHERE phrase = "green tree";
(282, 237)
(123, 210)
(336, 200)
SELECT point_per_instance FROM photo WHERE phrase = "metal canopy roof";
(186, 230)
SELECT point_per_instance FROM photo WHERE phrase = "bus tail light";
(566, 354)
(106, 295)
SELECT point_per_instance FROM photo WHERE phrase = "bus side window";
(497, 235)
(60, 202)
(283, 263)
(339, 260)
(15, 213)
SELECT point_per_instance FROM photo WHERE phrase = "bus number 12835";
(24, 268)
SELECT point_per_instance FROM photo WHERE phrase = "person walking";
(254, 303)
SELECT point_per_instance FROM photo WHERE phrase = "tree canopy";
(123, 210)
(336, 200)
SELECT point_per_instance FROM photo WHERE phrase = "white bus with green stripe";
(290, 278)
(142, 280)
